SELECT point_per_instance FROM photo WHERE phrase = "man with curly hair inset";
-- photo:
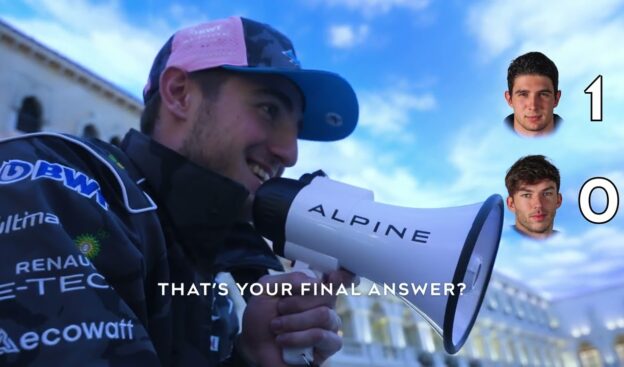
(533, 185)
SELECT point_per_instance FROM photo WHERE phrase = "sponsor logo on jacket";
(17, 170)
(72, 333)
(17, 222)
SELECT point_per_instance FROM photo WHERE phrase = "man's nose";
(283, 147)
(533, 101)
(537, 201)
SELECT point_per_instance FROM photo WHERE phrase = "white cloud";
(578, 35)
(565, 264)
(563, 258)
(390, 112)
(377, 7)
(471, 154)
(185, 14)
(347, 36)
(369, 166)
(500, 25)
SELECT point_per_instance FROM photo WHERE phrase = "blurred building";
(595, 324)
(515, 327)
(41, 90)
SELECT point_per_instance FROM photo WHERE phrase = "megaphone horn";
(329, 224)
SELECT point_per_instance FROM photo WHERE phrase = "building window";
(379, 325)
(589, 355)
(492, 302)
(511, 351)
(346, 316)
(90, 132)
(438, 343)
(115, 140)
(425, 358)
(554, 322)
(451, 361)
(531, 311)
(538, 357)
(479, 346)
(519, 307)
(553, 356)
(410, 330)
(506, 300)
(524, 353)
(543, 316)
(495, 347)
(619, 348)
(29, 119)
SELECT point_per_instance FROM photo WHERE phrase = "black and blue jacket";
(88, 235)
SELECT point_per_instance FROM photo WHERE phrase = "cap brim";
(331, 106)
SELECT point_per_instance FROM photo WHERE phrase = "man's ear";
(508, 98)
(559, 200)
(557, 97)
(510, 204)
(175, 92)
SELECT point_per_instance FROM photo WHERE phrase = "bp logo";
(114, 160)
(89, 245)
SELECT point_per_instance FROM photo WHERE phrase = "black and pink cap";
(244, 45)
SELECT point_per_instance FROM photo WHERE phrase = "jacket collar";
(201, 205)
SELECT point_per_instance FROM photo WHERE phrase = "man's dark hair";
(210, 82)
(532, 63)
(531, 170)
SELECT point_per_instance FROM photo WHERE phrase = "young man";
(533, 186)
(532, 80)
(110, 256)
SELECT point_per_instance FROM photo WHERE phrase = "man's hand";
(271, 324)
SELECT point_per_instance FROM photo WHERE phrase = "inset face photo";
(533, 95)
(533, 184)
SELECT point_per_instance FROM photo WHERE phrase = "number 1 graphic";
(595, 106)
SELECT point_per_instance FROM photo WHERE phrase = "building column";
(426, 339)
(395, 324)
(361, 325)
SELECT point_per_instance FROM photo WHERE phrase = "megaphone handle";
(300, 356)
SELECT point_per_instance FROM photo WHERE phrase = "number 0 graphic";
(595, 106)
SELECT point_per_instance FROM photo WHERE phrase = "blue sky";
(430, 77)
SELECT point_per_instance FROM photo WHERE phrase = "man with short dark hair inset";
(533, 186)
(533, 80)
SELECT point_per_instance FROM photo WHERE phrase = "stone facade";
(41, 90)
(515, 327)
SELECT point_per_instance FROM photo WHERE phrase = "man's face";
(248, 132)
(535, 207)
(533, 99)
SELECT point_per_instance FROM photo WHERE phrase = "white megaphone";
(331, 225)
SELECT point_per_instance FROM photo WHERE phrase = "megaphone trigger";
(312, 259)
(304, 268)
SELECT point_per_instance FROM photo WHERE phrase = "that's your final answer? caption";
(315, 289)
